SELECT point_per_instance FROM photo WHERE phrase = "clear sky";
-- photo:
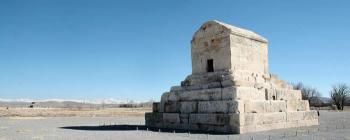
(87, 49)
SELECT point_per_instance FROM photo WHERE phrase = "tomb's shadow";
(136, 128)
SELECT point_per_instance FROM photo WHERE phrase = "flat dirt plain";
(128, 124)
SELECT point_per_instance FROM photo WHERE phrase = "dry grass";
(66, 112)
(347, 108)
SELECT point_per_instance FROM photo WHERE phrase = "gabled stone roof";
(226, 28)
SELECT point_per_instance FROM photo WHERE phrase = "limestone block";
(174, 96)
(252, 119)
(191, 82)
(307, 122)
(295, 116)
(188, 107)
(257, 106)
(161, 106)
(259, 85)
(214, 85)
(212, 119)
(240, 106)
(184, 118)
(230, 106)
(292, 105)
(271, 126)
(179, 126)
(248, 128)
(215, 107)
(185, 83)
(216, 128)
(165, 97)
(193, 87)
(156, 107)
(171, 107)
(241, 83)
(292, 124)
(276, 106)
(176, 88)
(298, 105)
(228, 83)
(249, 93)
(170, 118)
(227, 76)
(310, 115)
(303, 105)
(242, 93)
(201, 95)
(236, 119)
(194, 127)
(283, 94)
(276, 117)
(229, 93)
(153, 119)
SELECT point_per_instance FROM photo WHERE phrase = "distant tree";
(32, 105)
(307, 93)
(339, 94)
(317, 102)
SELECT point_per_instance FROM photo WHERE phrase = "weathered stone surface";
(189, 107)
(297, 105)
(155, 107)
(276, 117)
(211, 119)
(275, 106)
(176, 88)
(184, 118)
(230, 88)
(310, 115)
(255, 106)
(171, 118)
(217, 106)
(229, 93)
(171, 107)
(295, 116)
(215, 128)
(154, 119)
(249, 93)
(201, 95)
(303, 105)
(251, 119)
(288, 94)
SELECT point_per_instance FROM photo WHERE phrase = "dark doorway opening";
(210, 65)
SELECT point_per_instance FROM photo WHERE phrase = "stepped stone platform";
(230, 89)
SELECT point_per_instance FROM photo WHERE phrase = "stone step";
(213, 94)
(232, 122)
(222, 106)
(231, 106)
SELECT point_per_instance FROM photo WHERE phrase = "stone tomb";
(230, 89)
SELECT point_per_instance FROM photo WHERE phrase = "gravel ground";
(333, 126)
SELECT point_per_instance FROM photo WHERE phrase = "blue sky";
(88, 49)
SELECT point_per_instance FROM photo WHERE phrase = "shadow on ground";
(135, 128)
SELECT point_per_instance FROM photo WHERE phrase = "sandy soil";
(333, 125)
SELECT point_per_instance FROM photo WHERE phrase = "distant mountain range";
(61, 103)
